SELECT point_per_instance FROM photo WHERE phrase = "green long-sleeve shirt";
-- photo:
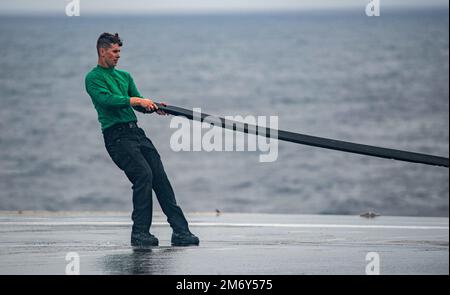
(110, 91)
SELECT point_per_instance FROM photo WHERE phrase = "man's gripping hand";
(161, 112)
(146, 105)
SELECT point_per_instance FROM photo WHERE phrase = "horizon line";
(218, 12)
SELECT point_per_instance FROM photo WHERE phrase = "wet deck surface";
(37, 243)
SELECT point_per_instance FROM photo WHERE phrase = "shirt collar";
(109, 70)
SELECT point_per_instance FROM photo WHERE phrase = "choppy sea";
(343, 75)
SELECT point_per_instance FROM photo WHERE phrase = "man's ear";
(101, 51)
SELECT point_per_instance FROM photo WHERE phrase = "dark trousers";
(136, 155)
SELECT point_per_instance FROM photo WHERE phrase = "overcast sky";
(174, 6)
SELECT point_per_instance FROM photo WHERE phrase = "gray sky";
(170, 6)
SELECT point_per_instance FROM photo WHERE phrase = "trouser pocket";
(120, 151)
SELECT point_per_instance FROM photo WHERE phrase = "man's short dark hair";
(106, 40)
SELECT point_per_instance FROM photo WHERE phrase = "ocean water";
(373, 80)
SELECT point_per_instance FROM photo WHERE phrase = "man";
(114, 96)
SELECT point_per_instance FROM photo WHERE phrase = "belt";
(125, 125)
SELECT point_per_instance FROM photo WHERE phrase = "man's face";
(111, 55)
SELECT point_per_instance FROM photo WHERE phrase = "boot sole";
(144, 244)
(185, 244)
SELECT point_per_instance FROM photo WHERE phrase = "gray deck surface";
(37, 243)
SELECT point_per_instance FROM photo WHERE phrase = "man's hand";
(161, 112)
(145, 103)
(148, 104)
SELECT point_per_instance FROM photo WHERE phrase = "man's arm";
(100, 93)
(139, 103)
(133, 92)
(132, 89)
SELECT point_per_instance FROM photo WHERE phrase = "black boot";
(143, 239)
(184, 239)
